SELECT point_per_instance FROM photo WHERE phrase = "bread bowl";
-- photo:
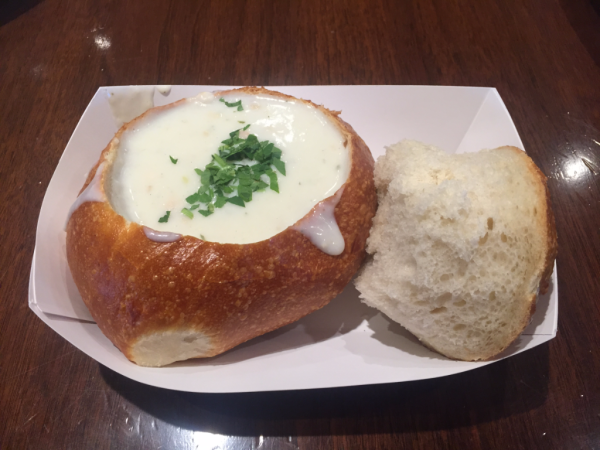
(188, 297)
(462, 246)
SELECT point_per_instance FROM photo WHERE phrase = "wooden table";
(542, 56)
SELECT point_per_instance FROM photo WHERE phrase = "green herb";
(273, 178)
(194, 198)
(187, 213)
(220, 201)
(240, 168)
(237, 104)
(202, 237)
(173, 160)
(165, 218)
(236, 201)
(279, 165)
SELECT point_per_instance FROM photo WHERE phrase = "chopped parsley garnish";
(165, 218)
(237, 104)
(173, 160)
(236, 201)
(187, 213)
(240, 168)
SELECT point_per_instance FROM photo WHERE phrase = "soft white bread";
(161, 302)
(461, 244)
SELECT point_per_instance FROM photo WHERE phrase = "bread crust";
(135, 287)
(548, 252)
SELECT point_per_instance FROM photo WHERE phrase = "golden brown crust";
(548, 251)
(551, 241)
(134, 286)
(546, 225)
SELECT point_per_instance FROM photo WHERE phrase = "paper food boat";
(344, 344)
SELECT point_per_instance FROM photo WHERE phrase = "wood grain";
(543, 56)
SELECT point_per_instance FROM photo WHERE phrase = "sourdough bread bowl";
(461, 245)
(162, 296)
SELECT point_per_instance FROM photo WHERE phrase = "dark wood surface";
(542, 55)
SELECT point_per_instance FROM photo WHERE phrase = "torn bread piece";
(461, 246)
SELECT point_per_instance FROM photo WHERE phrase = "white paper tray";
(344, 344)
